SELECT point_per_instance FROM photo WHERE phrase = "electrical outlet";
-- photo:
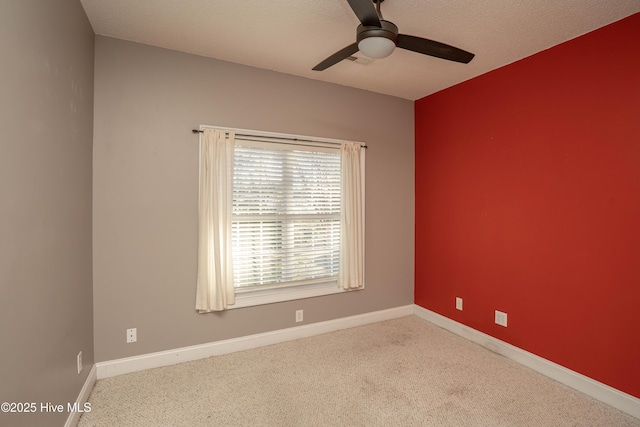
(79, 362)
(132, 335)
(299, 315)
(501, 318)
(459, 303)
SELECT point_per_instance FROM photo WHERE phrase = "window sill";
(270, 296)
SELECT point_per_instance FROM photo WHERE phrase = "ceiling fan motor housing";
(388, 30)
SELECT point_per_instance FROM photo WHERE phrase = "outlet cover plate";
(501, 318)
(132, 335)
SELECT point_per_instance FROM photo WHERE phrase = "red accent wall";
(528, 202)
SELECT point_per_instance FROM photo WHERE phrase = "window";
(286, 221)
(276, 203)
(286, 215)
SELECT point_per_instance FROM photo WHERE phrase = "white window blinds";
(286, 215)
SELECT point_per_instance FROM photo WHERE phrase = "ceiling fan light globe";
(376, 47)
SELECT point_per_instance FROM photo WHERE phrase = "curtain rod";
(281, 138)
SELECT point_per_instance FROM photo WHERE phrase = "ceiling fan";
(377, 38)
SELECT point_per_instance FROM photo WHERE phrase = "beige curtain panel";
(351, 270)
(215, 289)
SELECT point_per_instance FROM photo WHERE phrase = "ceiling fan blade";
(366, 12)
(433, 48)
(337, 57)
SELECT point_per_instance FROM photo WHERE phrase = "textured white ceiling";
(292, 36)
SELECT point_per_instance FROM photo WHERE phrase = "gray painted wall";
(147, 100)
(46, 119)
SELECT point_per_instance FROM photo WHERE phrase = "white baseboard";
(609, 395)
(171, 357)
(74, 417)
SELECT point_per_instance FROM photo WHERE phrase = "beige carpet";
(403, 372)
